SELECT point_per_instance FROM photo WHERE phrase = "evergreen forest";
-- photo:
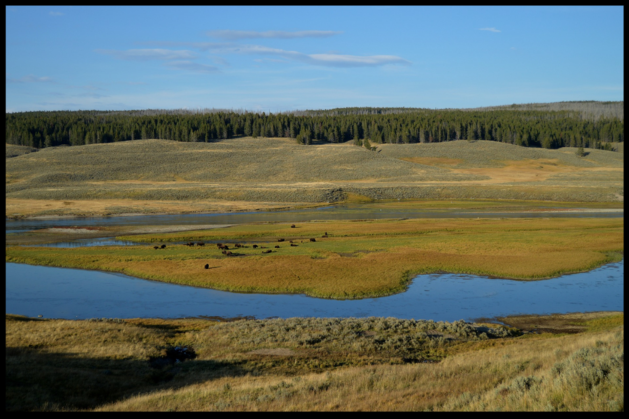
(523, 125)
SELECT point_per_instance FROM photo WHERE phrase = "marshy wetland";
(349, 259)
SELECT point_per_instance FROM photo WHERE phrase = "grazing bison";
(163, 246)
(238, 245)
(312, 240)
(207, 266)
(255, 246)
(292, 226)
(293, 244)
(219, 245)
(200, 244)
(155, 247)
(280, 240)
(229, 253)
(267, 251)
(224, 252)
(277, 247)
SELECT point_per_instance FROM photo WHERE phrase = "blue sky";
(286, 58)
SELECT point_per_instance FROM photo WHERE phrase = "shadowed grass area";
(311, 364)
(357, 259)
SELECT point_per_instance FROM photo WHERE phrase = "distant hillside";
(278, 170)
(588, 109)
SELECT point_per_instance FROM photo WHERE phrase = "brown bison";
(280, 240)
(277, 247)
(255, 246)
(155, 247)
(293, 244)
(200, 244)
(292, 226)
(219, 245)
(163, 246)
(267, 251)
(312, 240)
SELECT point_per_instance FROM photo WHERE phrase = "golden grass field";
(161, 176)
(276, 365)
(357, 259)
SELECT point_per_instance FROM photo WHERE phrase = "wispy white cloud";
(489, 29)
(236, 35)
(334, 60)
(149, 54)
(56, 13)
(30, 79)
(192, 66)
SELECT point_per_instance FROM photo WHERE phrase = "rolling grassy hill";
(278, 171)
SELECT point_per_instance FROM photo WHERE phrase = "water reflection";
(71, 293)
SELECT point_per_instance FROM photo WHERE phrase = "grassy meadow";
(300, 364)
(355, 259)
(161, 176)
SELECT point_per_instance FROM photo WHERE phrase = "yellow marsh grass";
(358, 259)
(482, 379)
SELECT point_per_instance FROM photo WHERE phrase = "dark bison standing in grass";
(207, 266)
(312, 240)
(163, 246)
(292, 226)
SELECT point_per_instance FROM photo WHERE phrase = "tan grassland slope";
(277, 171)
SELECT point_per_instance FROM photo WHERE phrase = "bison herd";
(227, 252)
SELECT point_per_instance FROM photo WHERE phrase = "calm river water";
(80, 294)
(324, 213)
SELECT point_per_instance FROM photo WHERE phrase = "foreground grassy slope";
(314, 364)
(278, 170)
(356, 259)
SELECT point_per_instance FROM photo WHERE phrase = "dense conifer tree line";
(524, 127)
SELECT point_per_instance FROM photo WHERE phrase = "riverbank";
(312, 364)
(32, 209)
(350, 259)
